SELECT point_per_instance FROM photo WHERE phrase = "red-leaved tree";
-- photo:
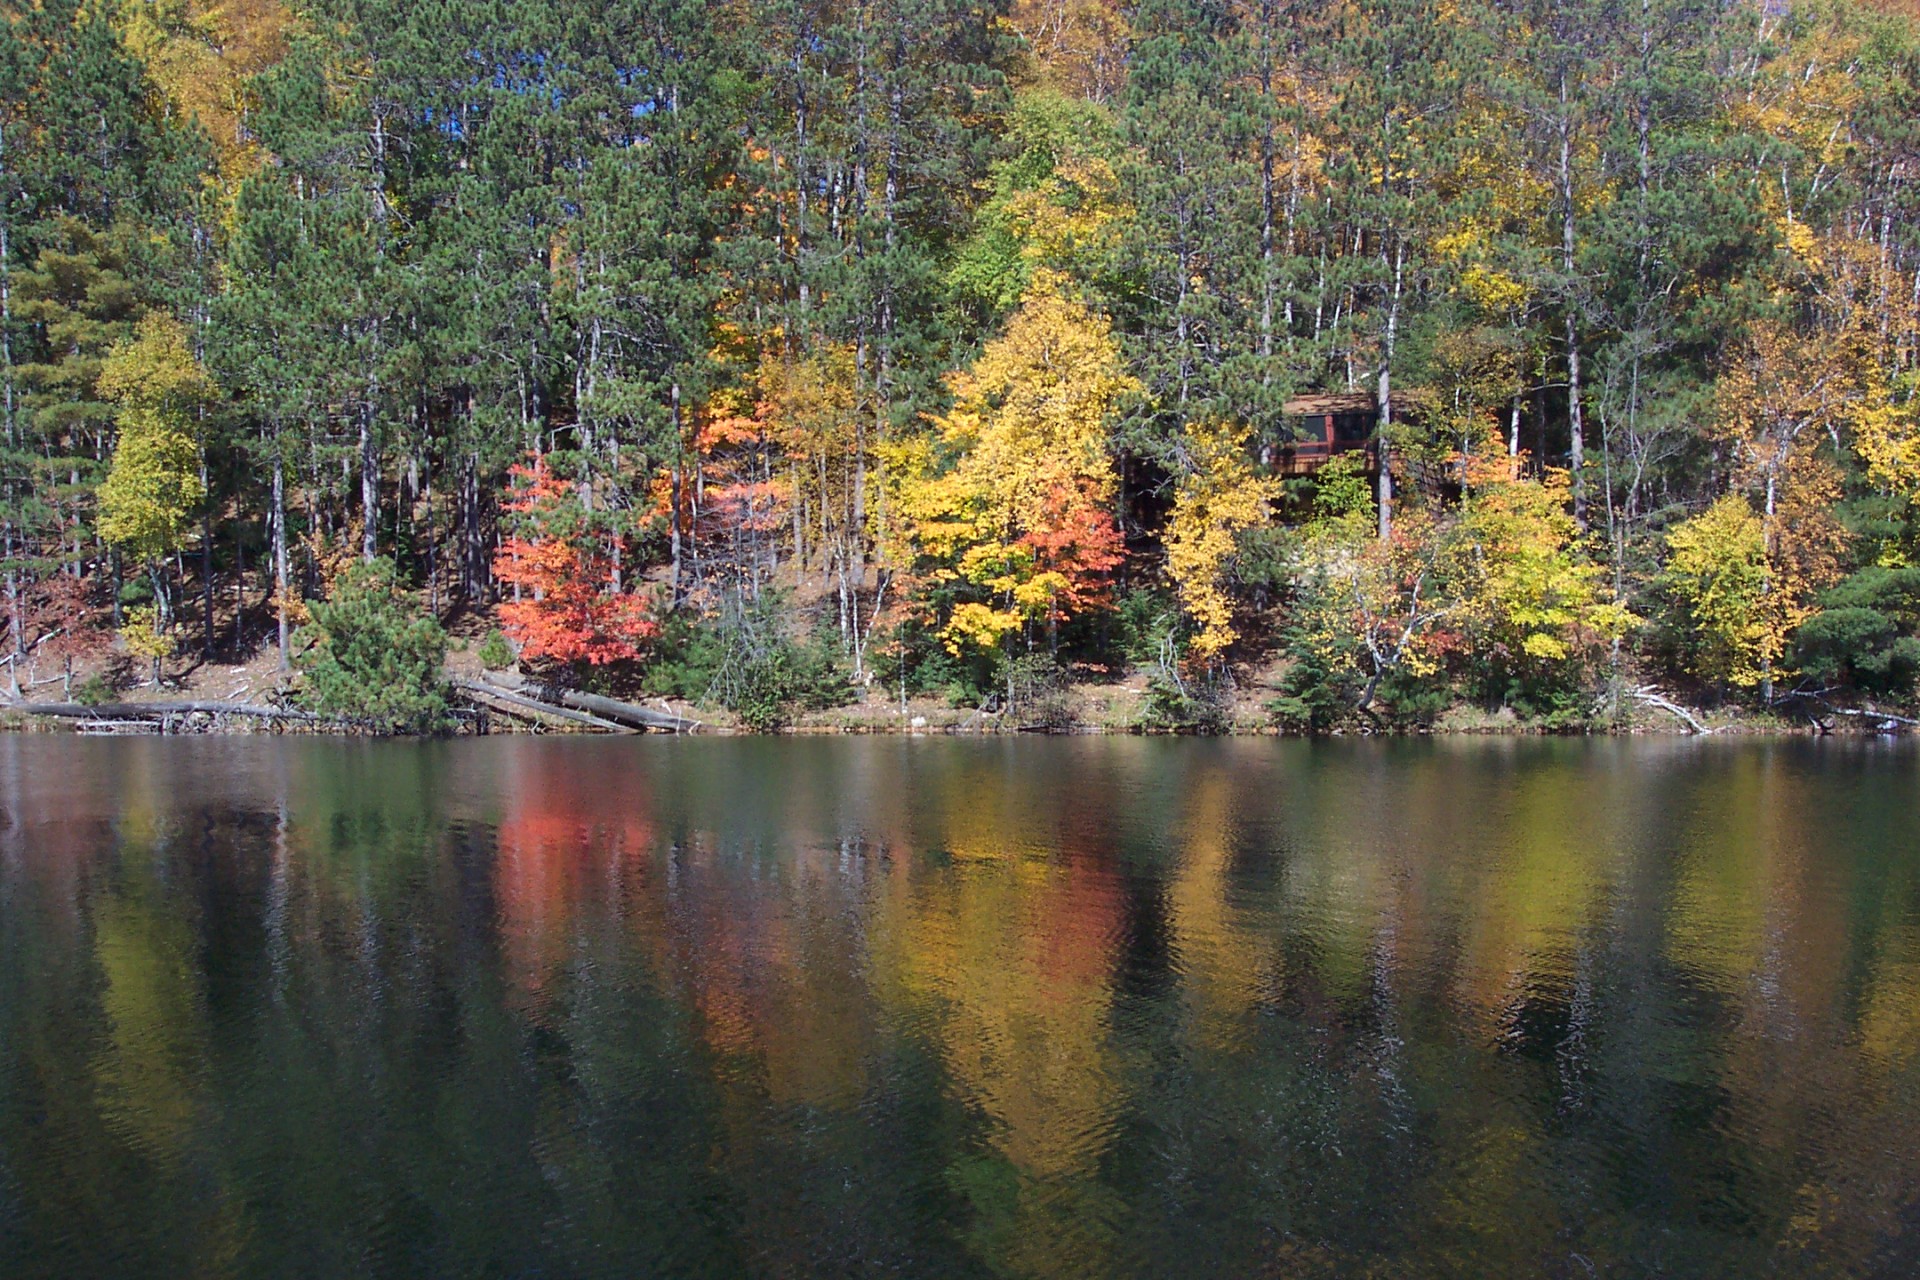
(569, 606)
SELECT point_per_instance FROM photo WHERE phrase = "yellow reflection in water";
(149, 1065)
(1538, 883)
(1007, 958)
(1225, 962)
(1890, 1008)
(1717, 919)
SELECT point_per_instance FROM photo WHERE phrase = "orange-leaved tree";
(561, 561)
(1077, 542)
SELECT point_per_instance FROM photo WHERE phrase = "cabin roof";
(1319, 405)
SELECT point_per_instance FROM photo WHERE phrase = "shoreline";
(202, 724)
(484, 704)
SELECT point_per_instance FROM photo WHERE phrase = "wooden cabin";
(1329, 425)
(1322, 426)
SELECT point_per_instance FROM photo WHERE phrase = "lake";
(947, 1008)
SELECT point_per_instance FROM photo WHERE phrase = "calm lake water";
(862, 1007)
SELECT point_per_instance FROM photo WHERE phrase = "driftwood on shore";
(524, 698)
(1653, 698)
(630, 714)
(1886, 717)
(159, 710)
(527, 708)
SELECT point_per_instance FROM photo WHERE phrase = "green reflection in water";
(279, 1007)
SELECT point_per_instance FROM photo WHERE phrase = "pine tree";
(1404, 72)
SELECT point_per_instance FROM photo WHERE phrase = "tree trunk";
(1576, 433)
(1266, 191)
(679, 485)
(7, 423)
(206, 568)
(1385, 392)
(369, 484)
(281, 577)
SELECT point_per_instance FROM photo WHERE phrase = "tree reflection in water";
(1111, 1007)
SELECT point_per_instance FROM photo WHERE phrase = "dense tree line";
(957, 338)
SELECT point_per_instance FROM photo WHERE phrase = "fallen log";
(628, 713)
(1653, 699)
(150, 710)
(120, 728)
(506, 698)
(1886, 716)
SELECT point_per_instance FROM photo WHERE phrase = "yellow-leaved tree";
(1717, 571)
(1219, 496)
(154, 485)
(1746, 580)
(1009, 509)
(1886, 435)
(202, 55)
(1527, 597)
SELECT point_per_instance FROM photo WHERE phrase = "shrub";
(1145, 618)
(1315, 694)
(764, 676)
(371, 658)
(146, 637)
(1036, 688)
(1199, 703)
(496, 654)
(94, 691)
(1864, 640)
(1407, 700)
(685, 657)
(1319, 692)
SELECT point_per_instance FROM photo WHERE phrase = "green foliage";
(1147, 621)
(495, 653)
(1867, 637)
(1341, 490)
(1555, 699)
(684, 658)
(1052, 204)
(1317, 694)
(1408, 699)
(764, 675)
(94, 691)
(912, 652)
(1036, 690)
(372, 658)
(1187, 703)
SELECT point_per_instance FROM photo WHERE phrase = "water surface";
(1110, 1007)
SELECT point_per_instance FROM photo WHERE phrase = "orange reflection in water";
(573, 832)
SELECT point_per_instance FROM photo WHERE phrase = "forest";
(770, 355)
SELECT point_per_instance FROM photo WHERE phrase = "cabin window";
(1307, 431)
(1352, 428)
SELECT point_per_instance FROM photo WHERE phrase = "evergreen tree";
(372, 659)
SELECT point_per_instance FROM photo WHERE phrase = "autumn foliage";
(1076, 545)
(1010, 519)
(982, 337)
(568, 604)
